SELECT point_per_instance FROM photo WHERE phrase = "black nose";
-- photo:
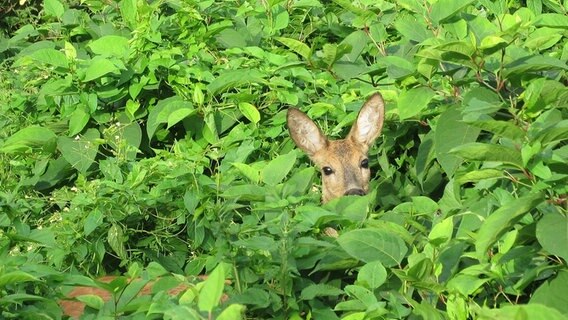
(355, 192)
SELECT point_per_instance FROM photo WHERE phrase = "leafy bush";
(138, 133)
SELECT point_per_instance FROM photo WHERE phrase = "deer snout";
(355, 192)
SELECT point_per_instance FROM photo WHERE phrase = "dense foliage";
(148, 138)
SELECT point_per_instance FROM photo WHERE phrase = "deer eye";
(365, 163)
(327, 171)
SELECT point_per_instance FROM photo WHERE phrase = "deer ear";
(305, 132)
(369, 123)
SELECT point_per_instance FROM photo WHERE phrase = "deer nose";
(355, 192)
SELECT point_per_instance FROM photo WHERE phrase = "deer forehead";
(340, 154)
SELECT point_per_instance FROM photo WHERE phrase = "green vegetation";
(148, 138)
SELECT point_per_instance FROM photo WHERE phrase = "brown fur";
(343, 157)
(74, 308)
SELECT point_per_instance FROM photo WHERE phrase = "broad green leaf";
(129, 12)
(553, 293)
(248, 171)
(521, 312)
(553, 20)
(501, 128)
(476, 151)
(92, 300)
(372, 275)
(443, 10)
(277, 169)
(234, 79)
(93, 220)
(281, 20)
(210, 294)
(362, 294)
(78, 120)
(319, 290)
(450, 133)
(50, 56)
(160, 114)
(81, 150)
(231, 38)
(297, 46)
(542, 38)
(110, 46)
(442, 232)
(262, 243)
(536, 63)
(478, 175)
(413, 101)
(250, 112)
(491, 44)
(370, 245)
(30, 139)
(15, 278)
(99, 67)
(413, 27)
(502, 220)
(465, 284)
(552, 234)
(178, 115)
(246, 192)
(53, 8)
(232, 312)
(116, 240)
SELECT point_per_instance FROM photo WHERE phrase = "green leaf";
(92, 301)
(443, 10)
(250, 112)
(553, 293)
(413, 28)
(372, 275)
(80, 151)
(277, 169)
(500, 128)
(370, 245)
(502, 220)
(178, 115)
(442, 232)
(248, 171)
(161, 113)
(297, 46)
(319, 290)
(362, 294)
(116, 240)
(450, 133)
(521, 312)
(235, 78)
(232, 312)
(99, 67)
(210, 294)
(16, 277)
(413, 101)
(552, 234)
(478, 175)
(489, 152)
(93, 220)
(30, 139)
(129, 12)
(553, 20)
(533, 64)
(78, 120)
(53, 8)
(110, 46)
(50, 56)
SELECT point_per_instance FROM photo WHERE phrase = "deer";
(344, 163)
